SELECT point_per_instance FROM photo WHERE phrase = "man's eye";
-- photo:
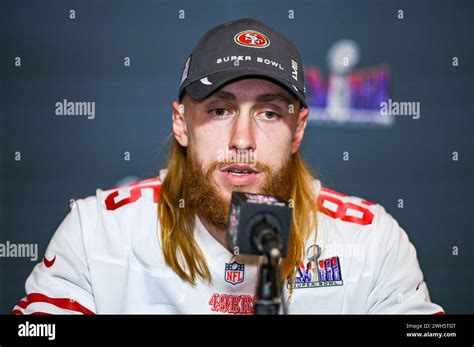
(270, 115)
(219, 112)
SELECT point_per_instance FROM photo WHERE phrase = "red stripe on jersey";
(439, 313)
(39, 313)
(17, 312)
(64, 303)
(22, 304)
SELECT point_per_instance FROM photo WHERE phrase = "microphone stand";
(268, 283)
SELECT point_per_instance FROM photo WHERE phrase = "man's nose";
(242, 134)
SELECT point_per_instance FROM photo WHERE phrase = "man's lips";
(239, 174)
(239, 168)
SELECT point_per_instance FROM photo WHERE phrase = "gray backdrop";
(82, 59)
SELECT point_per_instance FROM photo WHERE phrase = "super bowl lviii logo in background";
(348, 96)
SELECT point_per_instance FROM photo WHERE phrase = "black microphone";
(258, 224)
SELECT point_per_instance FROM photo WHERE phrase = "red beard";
(203, 198)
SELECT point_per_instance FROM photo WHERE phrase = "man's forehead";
(253, 89)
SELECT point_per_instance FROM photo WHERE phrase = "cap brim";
(204, 87)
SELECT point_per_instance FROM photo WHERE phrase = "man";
(159, 246)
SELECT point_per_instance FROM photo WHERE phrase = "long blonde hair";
(180, 249)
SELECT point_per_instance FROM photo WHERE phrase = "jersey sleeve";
(398, 282)
(60, 284)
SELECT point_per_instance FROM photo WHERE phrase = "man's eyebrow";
(221, 94)
(274, 96)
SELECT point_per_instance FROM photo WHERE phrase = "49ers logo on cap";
(252, 38)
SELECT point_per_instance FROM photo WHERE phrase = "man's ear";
(299, 131)
(180, 130)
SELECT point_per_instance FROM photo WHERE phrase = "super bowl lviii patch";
(320, 273)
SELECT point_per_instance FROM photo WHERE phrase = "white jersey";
(106, 257)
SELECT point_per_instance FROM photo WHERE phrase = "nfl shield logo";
(234, 273)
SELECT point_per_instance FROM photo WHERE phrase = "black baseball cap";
(242, 48)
